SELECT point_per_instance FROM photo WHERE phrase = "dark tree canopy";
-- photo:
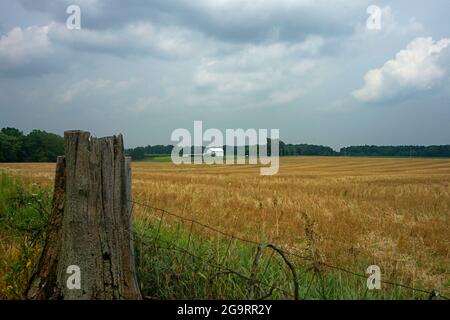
(285, 149)
(397, 151)
(41, 146)
(37, 146)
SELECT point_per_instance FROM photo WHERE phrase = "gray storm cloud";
(306, 67)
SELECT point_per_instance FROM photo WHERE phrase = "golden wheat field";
(385, 211)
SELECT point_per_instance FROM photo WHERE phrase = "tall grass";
(175, 263)
(23, 216)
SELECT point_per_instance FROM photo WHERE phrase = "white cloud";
(414, 68)
(259, 75)
(256, 76)
(21, 45)
(43, 49)
(259, 67)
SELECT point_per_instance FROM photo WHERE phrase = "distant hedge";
(317, 150)
(397, 151)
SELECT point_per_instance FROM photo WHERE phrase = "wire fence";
(293, 279)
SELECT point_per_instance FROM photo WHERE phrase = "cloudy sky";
(310, 68)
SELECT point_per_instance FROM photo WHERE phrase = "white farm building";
(214, 152)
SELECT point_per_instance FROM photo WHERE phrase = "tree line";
(41, 146)
(140, 153)
(37, 146)
(397, 151)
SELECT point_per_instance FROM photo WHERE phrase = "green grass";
(23, 216)
(156, 158)
(175, 264)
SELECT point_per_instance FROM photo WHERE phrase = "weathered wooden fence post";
(90, 228)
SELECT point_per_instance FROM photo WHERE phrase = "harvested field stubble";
(391, 212)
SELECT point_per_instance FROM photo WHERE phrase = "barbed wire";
(222, 268)
(282, 251)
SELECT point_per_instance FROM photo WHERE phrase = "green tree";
(41, 146)
(13, 132)
(11, 145)
(137, 153)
